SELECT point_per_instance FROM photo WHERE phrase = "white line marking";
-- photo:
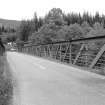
(42, 67)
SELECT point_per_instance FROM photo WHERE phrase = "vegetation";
(8, 30)
(13, 24)
(6, 86)
(57, 26)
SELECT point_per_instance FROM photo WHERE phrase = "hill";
(9, 23)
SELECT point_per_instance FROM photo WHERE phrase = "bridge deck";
(42, 82)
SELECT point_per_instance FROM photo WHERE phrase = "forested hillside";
(57, 26)
(8, 29)
(9, 23)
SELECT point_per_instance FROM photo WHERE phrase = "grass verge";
(6, 87)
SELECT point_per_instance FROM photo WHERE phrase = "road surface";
(42, 82)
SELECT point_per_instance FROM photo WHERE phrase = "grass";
(6, 88)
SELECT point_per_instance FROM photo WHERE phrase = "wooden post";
(98, 56)
(60, 53)
(70, 46)
(67, 48)
(57, 50)
(82, 46)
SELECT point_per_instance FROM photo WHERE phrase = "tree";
(86, 28)
(98, 30)
(97, 17)
(41, 22)
(36, 38)
(62, 33)
(34, 23)
(49, 32)
(55, 16)
(24, 30)
(74, 32)
(46, 34)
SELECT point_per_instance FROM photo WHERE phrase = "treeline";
(6, 30)
(8, 34)
(57, 26)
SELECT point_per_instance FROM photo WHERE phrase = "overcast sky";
(24, 9)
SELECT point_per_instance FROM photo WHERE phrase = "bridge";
(86, 52)
(59, 73)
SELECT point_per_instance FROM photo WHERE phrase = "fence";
(88, 52)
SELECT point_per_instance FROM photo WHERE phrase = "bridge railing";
(88, 52)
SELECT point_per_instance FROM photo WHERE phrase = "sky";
(25, 9)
